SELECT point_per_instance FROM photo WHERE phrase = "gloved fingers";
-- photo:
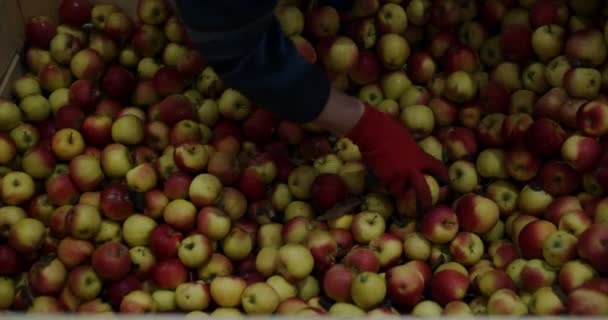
(437, 169)
(397, 187)
(424, 199)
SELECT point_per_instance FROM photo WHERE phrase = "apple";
(448, 285)
(581, 82)
(169, 274)
(118, 25)
(118, 83)
(585, 47)
(388, 248)
(536, 274)
(100, 12)
(234, 105)
(572, 148)
(226, 291)
(393, 50)
(176, 184)
(492, 280)
(115, 202)
(25, 136)
(192, 296)
(175, 108)
(360, 259)
(589, 246)
(533, 200)
(111, 261)
(84, 282)
(419, 119)
(460, 142)
(47, 276)
(152, 12)
(575, 274)
(37, 162)
(544, 137)
(73, 252)
(39, 31)
(416, 247)
(116, 160)
(86, 172)
(259, 298)
(136, 229)
(83, 221)
(366, 226)
(466, 248)
(337, 283)
(521, 164)
(205, 190)
(589, 119)
(138, 301)
(506, 302)
(87, 64)
(558, 178)
(118, 290)
(439, 225)
(322, 21)
(368, 290)
(589, 302)
(476, 213)
(463, 176)
(405, 285)
(17, 188)
(75, 12)
(63, 47)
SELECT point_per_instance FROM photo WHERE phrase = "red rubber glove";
(394, 156)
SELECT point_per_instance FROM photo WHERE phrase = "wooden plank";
(12, 33)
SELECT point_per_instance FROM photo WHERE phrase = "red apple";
(118, 290)
(460, 58)
(87, 64)
(545, 137)
(558, 178)
(337, 282)
(148, 40)
(39, 31)
(111, 261)
(590, 118)
(532, 237)
(175, 108)
(164, 241)
(362, 259)
(84, 94)
(495, 97)
(448, 285)
(367, 69)
(592, 246)
(115, 202)
(75, 12)
(439, 225)
(546, 12)
(405, 286)
(168, 274)
(62, 190)
(118, 83)
(168, 81)
(581, 152)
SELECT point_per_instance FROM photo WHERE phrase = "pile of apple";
(134, 180)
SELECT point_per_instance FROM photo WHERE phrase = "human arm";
(244, 43)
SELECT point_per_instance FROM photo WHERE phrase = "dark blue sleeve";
(242, 40)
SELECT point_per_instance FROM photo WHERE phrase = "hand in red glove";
(394, 156)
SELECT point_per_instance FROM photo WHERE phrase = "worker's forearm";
(243, 42)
